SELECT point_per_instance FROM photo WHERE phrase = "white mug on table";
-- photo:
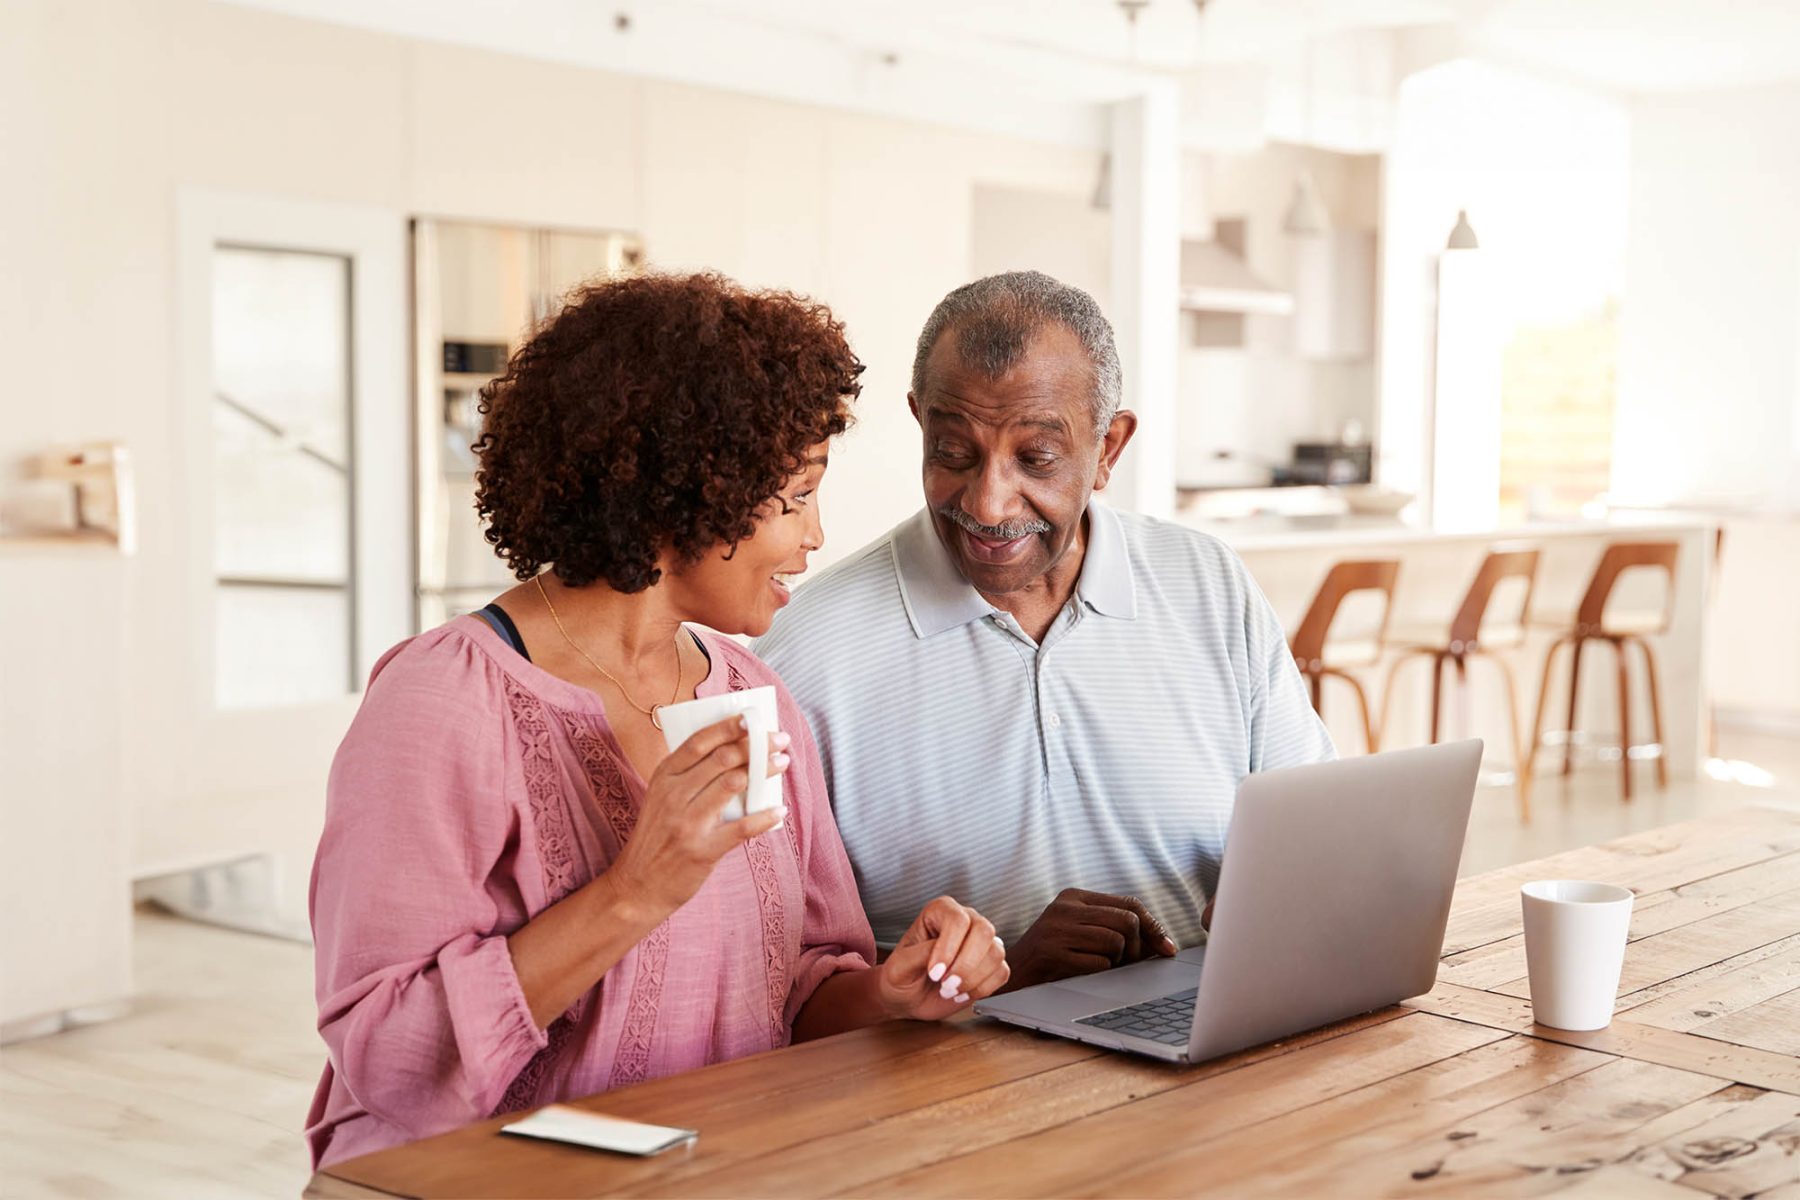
(1575, 935)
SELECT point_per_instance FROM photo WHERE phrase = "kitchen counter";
(1289, 555)
(1335, 530)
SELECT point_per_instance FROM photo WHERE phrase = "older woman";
(520, 895)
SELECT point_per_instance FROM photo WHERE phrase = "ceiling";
(1649, 45)
(1634, 45)
(1040, 67)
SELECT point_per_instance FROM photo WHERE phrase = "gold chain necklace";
(655, 710)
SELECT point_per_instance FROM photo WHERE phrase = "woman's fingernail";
(937, 971)
(779, 762)
(962, 997)
(781, 739)
(743, 724)
(952, 986)
(998, 942)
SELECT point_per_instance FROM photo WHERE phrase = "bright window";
(281, 403)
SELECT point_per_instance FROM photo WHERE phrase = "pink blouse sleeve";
(419, 1004)
(835, 935)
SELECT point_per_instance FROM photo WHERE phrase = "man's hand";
(1082, 932)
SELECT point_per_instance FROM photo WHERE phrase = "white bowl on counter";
(1369, 500)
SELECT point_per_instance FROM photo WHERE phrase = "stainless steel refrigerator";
(478, 292)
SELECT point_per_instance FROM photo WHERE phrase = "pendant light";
(1462, 234)
(1306, 215)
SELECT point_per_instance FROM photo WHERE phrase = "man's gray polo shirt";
(964, 759)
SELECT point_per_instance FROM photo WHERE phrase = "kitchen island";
(1290, 555)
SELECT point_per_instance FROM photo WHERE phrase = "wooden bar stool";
(1592, 624)
(1472, 634)
(1317, 656)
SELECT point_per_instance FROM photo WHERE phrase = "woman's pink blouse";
(473, 791)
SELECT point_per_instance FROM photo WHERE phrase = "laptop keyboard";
(1166, 1019)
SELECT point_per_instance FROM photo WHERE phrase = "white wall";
(1059, 233)
(1709, 346)
(111, 108)
(72, 304)
(1145, 187)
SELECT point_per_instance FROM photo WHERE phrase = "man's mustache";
(1024, 527)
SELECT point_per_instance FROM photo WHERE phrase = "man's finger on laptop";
(1140, 936)
(1108, 931)
(1156, 934)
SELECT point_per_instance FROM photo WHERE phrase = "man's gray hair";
(995, 319)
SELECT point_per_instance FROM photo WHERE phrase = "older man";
(1024, 698)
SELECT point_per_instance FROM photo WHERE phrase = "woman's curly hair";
(655, 411)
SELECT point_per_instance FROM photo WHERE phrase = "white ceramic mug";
(682, 721)
(1575, 935)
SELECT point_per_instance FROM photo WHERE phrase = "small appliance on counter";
(1335, 463)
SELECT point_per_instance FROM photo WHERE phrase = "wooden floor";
(1584, 808)
(201, 1091)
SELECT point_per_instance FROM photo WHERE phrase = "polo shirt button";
(1055, 721)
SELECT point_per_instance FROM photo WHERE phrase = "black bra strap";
(503, 625)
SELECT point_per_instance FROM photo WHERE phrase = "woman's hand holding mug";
(679, 836)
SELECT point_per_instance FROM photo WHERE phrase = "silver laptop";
(1332, 901)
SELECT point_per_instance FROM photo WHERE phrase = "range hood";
(1215, 277)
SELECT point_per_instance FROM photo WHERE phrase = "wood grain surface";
(1693, 1090)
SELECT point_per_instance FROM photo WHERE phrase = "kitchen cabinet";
(66, 944)
(1334, 295)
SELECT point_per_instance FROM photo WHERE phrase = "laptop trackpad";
(1140, 981)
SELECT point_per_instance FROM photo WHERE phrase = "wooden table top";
(1693, 1089)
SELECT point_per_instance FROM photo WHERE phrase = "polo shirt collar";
(1106, 585)
(937, 597)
